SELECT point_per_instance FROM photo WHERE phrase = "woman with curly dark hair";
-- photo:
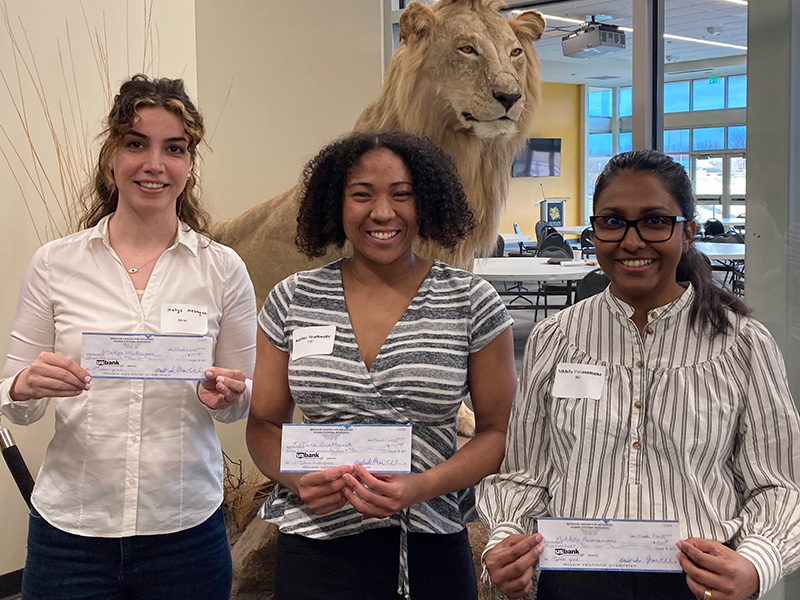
(406, 340)
(441, 206)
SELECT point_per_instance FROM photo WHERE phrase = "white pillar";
(773, 187)
(648, 74)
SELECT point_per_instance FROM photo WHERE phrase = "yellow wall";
(558, 116)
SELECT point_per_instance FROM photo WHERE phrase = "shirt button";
(638, 404)
(636, 445)
(654, 315)
(137, 398)
(651, 330)
(135, 439)
(639, 364)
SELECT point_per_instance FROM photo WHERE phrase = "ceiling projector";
(593, 39)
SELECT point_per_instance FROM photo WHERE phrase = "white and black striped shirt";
(688, 427)
(418, 377)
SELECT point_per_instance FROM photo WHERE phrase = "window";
(708, 94)
(625, 103)
(708, 138)
(600, 144)
(676, 97)
(600, 103)
(737, 91)
(738, 177)
(676, 140)
(737, 137)
(594, 166)
(625, 141)
(711, 148)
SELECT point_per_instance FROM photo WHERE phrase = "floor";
(524, 323)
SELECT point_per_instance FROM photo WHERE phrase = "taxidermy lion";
(464, 77)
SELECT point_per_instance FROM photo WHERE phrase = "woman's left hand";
(221, 388)
(712, 566)
(383, 494)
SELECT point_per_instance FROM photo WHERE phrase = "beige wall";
(46, 23)
(295, 75)
(298, 74)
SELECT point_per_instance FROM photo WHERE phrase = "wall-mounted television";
(539, 157)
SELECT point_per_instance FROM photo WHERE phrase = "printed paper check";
(146, 355)
(307, 447)
(609, 545)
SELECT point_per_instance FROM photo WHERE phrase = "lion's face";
(481, 72)
(479, 65)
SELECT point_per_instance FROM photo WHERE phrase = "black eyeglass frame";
(634, 223)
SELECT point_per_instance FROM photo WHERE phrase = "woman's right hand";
(510, 564)
(50, 375)
(321, 490)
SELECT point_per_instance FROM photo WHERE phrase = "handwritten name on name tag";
(313, 340)
(184, 318)
(579, 381)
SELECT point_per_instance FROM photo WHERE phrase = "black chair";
(551, 240)
(587, 242)
(713, 227)
(553, 289)
(592, 283)
(733, 269)
(499, 246)
(517, 287)
(534, 247)
(728, 237)
(539, 226)
(523, 251)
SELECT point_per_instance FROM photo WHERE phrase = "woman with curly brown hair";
(127, 502)
(411, 339)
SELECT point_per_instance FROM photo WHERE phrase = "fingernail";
(88, 386)
(209, 374)
(87, 379)
(220, 379)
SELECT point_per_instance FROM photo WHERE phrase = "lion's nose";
(507, 100)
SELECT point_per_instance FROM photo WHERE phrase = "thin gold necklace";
(137, 269)
(134, 270)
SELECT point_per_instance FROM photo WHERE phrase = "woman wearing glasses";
(691, 421)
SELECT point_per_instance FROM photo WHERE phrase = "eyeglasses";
(650, 229)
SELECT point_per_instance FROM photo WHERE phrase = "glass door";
(709, 185)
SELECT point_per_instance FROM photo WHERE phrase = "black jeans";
(365, 566)
(612, 585)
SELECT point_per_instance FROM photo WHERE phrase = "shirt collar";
(659, 312)
(186, 235)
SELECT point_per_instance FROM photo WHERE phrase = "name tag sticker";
(579, 381)
(307, 341)
(184, 318)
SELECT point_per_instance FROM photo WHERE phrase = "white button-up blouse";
(130, 456)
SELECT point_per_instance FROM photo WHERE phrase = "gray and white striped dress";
(419, 377)
(690, 428)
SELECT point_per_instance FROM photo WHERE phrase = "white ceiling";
(683, 60)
